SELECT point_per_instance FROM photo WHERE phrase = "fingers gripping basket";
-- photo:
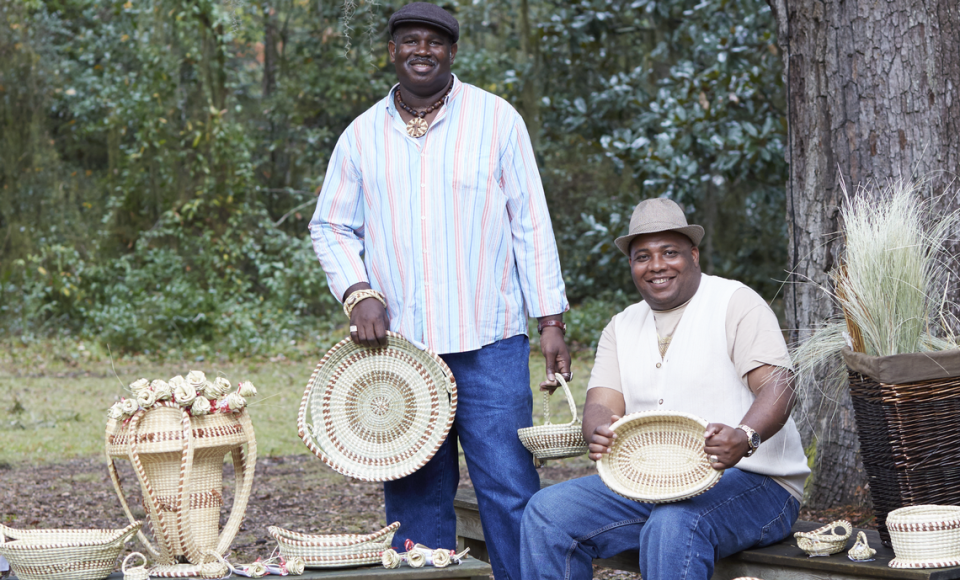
(336, 550)
(549, 441)
(64, 554)
(377, 414)
(178, 460)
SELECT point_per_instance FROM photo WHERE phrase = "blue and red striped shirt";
(452, 228)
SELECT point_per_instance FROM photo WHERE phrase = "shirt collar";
(391, 101)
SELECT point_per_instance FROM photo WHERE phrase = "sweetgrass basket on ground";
(825, 540)
(907, 409)
(377, 414)
(925, 536)
(549, 441)
(658, 457)
(178, 460)
(334, 550)
(64, 554)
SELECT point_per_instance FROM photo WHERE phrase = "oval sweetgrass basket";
(658, 457)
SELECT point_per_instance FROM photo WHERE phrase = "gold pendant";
(417, 127)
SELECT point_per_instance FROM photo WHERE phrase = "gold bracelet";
(357, 295)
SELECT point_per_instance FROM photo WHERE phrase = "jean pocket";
(779, 528)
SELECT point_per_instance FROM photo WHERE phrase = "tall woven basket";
(907, 409)
(178, 460)
(549, 441)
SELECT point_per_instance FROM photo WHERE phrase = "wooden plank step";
(470, 569)
(782, 561)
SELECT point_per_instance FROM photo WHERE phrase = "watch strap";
(558, 323)
(753, 439)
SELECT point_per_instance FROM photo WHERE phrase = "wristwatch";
(753, 439)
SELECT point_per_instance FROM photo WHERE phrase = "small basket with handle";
(550, 441)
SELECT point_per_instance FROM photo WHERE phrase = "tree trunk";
(529, 56)
(872, 90)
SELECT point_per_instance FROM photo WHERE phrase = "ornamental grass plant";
(891, 284)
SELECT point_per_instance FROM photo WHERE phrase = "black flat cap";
(425, 13)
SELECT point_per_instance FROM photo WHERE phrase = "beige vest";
(698, 377)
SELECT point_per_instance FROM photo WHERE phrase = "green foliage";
(159, 159)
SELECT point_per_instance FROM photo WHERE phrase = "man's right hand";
(601, 439)
(370, 319)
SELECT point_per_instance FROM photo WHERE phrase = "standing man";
(432, 223)
(702, 345)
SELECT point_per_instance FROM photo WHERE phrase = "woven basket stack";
(178, 460)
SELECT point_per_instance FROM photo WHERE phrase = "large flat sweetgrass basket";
(377, 414)
(550, 441)
(334, 550)
(64, 554)
(658, 457)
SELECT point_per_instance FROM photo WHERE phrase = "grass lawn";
(53, 399)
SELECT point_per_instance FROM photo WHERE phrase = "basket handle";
(244, 463)
(570, 401)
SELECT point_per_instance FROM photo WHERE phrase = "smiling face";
(422, 55)
(665, 268)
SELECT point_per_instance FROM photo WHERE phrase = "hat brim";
(694, 232)
(407, 20)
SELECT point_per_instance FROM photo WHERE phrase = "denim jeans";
(493, 401)
(569, 524)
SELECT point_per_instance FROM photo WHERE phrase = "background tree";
(160, 158)
(874, 95)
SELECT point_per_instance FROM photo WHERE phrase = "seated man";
(702, 345)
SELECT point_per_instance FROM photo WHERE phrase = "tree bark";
(872, 90)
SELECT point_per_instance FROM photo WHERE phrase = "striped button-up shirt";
(452, 228)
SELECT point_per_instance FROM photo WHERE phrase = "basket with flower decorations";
(176, 434)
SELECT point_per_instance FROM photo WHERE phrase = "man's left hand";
(727, 443)
(557, 357)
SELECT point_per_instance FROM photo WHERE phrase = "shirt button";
(661, 401)
(423, 217)
(658, 365)
(423, 185)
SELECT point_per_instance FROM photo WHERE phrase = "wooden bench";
(471, 569)
(783, 561)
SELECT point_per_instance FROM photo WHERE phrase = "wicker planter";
(907, 409)
(178, 460)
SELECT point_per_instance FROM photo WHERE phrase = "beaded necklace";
(417, 127)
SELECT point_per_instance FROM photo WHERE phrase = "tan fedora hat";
(658, 215)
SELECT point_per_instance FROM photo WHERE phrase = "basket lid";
(378, 414)
(658, 457)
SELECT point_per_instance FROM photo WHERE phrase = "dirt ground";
(295, 492)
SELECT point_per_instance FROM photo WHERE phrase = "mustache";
(421, 60)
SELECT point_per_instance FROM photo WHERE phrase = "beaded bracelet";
(355, 297)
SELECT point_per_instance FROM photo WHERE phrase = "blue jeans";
(493, 401)
(569, 524)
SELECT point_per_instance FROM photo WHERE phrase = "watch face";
(755, 440)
